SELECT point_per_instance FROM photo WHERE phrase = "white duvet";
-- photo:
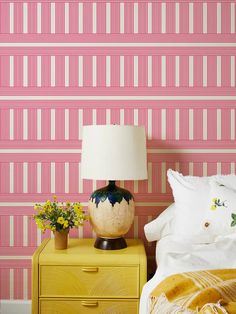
(176, 255)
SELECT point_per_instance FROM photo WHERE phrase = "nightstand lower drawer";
(88, 306)
(89, 281)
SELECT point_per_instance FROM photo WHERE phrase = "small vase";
(61, 239)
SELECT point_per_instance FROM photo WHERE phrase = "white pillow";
(192, 197)
(161, 226)
(220, 218)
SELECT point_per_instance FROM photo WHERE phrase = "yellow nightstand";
(86, 280)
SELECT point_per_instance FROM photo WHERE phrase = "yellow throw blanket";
(204, 292)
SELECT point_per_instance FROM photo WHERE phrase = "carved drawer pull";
(89, 303)
(90, 269)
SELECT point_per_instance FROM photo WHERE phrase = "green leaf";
(233, 223)
(233, 216)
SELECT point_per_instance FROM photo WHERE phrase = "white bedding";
(175, 256)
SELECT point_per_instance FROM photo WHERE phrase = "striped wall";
(166, 65)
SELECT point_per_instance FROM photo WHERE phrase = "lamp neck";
(111, 185)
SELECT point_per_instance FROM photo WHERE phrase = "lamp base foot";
(110, 244)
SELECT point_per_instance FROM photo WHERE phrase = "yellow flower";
(53, 228)
(213, 207)
(60, 220)
(68, 204)
(76, 223)
(37, 206)
(66, 224)
(77, 208)
(54, 197)
(214, 199)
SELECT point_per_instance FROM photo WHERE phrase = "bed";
(199, 249)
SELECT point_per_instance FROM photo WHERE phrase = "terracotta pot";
(61, 239)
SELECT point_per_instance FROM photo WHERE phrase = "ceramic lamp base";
(110, 244)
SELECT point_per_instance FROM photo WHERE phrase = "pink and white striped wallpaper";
(167, 65)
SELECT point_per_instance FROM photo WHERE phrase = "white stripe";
(94, 17)
(11, 230)
(39, 177)
(149, 21)
(67, 117)
(11, 79)
(218, 61)
(136, 227)
(204, 122)
(94, 115)
(177, 124)
(80, 70)
(204, 71)
(11, 8)
(53, 124)
(25, 230)
(135, 186)
(25, 17)
(163, 124)
(67, 71)
(204, 169)
(218, 167)
(232, 67)
(122, 17)
(218, 18)
(80, 123)
(218, 115)
(25, 284)
(204, 22)
(25, 124)
(135, 116)
(163, 17)
(39, 71)
(25, 177)
(232, 9)
(190, 17)
(53, 69)
(163, 70)
(94, 70)
(80, 181)
(66, 18)
(135, 97)
(122, 71)
(190, 71)
(25, 71)
(17, 257)
(108, 71)
(108, 116)
(39, 121)
(232, 124)
(53, 177)
(11, 177)
(232, 167)
(80, 15)
(122, 116)
(53, 17)
(135, 71)
(108, 18)
(136, 17)
(11, 124)
(163, 177)
(117, 44)
(39, 17)
(191, 121)
(80, 233)
(177, 18)
(190, 168)
(66, 177)
(149, 71)
(39, 237)
(122, 184)
(11, 283)
(177, 71)
(149, 177)
(149, 124)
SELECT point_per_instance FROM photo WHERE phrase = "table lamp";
(112, 152)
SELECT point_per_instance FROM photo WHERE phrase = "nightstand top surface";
(82, 251)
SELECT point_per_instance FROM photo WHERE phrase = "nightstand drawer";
(94, 282)
(86, 306)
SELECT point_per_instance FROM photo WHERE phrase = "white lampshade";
(114, 152)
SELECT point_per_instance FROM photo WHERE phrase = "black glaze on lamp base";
(110, 244)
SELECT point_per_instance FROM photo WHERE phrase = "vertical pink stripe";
(184, 71)
(184, 168)
(101, 116)
(4, 124)
(225, 168)
(183, 17)
(60, 70)
(4, 178)
(115, 17)
(198, 124)
(4, 283)
(197, 71)
(142, 17)
(225, 71)
(115, 116)
(129, 17)
(73, 17)
(18, 17)
(87, 230)
(101, 71)
(88, 17)
(170, 71)
(115, 71)
(129, 71)
(60, 17)
(32, 178)
(32, 71)
(4, 231)
(18, 231)
(225, 125)
(183, 124)
(46, 17)
(142, 71)
(170, 17)
(46, 124)
(5, 71)
(225, 17)
(18, 124)
(73, 71)
(156, 17)
(18, 286)
(87, 71)
(211, 17)
(156, 124)
(32, 17)
(101, 17)
(46, 176)
(18, 177)
(211, 168)
(32, 124)
(156, 70)
(73, 178)
(4, 18)
(60, 124)
(211, 124)
(170, 124)
(60, 178)
(211, 71)
(73, 124)
(197, 17)
(18, 71)
(129, 116)
(46, 71)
